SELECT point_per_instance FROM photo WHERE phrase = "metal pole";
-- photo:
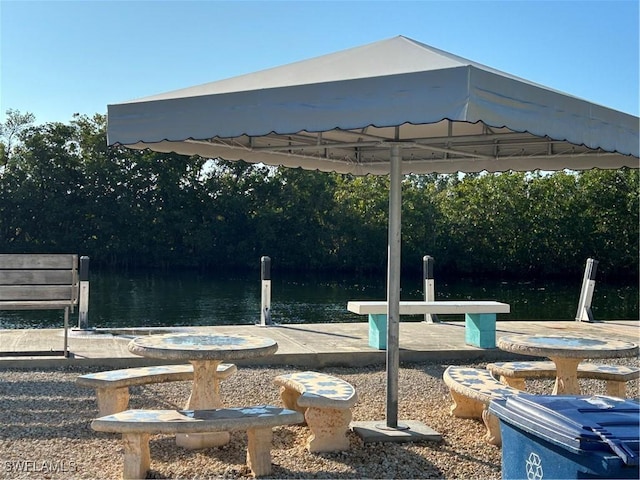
(429, 287)
(393, 287)
(265, 274)
(586, 294)
(83, 301)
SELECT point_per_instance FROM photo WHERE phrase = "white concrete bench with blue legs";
(112, 387)
(480, 318)
(326, 403)
(472, 389)
(137, 425)
(515, 373)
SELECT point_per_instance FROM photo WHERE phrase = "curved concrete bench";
(326, 402)
(112, 387)
(136, 426)
(616, 376)
(472, 389)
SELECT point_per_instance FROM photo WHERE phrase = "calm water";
(152, 299)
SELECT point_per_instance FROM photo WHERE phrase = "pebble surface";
(45, 428)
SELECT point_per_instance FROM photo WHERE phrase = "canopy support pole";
(393, 286)
(408, 430)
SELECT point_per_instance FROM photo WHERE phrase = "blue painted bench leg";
(480, 329)
(378, 331)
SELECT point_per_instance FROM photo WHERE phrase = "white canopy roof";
(395, 106)
(339, 112)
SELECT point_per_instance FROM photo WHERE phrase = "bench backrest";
(38, 281)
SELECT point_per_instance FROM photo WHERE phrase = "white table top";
(199, 346)
(567, 346)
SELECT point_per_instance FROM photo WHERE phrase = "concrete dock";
(308, 345)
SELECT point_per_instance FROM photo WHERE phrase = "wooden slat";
(39, 260)
(37, 292)
(37, 277)
(35, 304)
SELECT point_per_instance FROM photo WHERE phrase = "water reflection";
(184, 299)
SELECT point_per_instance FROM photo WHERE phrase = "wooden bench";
(136, 426)
(112, 387)
(472, 389)
(480, 318)
(326, 403)
(515, 373)
(40, 282)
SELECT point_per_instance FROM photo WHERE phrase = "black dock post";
(83, 301)
(429, 287)
(265, 274)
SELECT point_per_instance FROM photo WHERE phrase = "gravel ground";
(45, 430)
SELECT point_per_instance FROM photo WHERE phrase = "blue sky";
(60, 58)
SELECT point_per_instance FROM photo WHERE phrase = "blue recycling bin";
(567, 436)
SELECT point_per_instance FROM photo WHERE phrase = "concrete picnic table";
(205, 352)
(566, 352)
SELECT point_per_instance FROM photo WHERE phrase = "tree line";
(63, 190)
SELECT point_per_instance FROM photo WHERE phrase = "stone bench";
(112, 387)
(326, 403)
(515, 373)
(472, 389)
(136, 426)
(480, 318)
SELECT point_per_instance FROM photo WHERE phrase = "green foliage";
(63, 190)
(483, 219)
(360, 242)
(610, 217)
(10, 132)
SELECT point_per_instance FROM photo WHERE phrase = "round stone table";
(566, 352)
(205, 352)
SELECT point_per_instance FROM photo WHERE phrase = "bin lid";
(578, 423)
